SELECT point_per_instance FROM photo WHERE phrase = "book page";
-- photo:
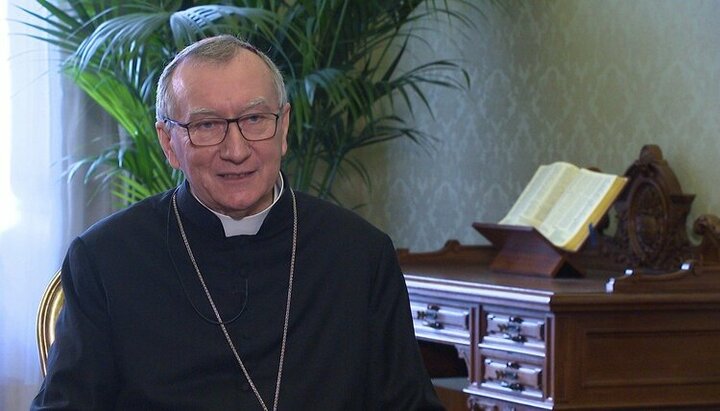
(584, 202)
(540, 194)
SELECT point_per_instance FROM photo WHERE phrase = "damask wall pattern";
(584, 81)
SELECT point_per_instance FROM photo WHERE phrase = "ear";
(285, 126)
(163, 134)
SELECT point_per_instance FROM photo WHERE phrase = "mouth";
(235, 176)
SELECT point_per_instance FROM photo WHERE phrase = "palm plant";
(340, 59)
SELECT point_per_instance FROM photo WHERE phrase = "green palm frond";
(341, 60)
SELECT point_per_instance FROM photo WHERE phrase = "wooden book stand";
(523, 250)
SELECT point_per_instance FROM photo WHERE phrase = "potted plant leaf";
(340, 59)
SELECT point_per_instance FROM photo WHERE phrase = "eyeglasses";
(212, 131)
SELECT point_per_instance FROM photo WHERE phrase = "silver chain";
(217, 313)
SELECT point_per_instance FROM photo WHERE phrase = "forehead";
(223, 85)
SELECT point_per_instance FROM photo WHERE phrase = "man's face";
(235, 177)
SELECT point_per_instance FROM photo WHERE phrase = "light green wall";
(586, 81)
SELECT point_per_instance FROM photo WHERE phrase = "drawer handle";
(510, 327)
(430, 316)
(512, 385)
(436, 325)
(514, 337)
(509, 373)
(512, 319)
(427, 315)
(506, 375)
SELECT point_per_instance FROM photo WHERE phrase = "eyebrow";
(258, 101)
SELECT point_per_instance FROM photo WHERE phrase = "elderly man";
(232, 292)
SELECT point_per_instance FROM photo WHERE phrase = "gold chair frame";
(48, 312)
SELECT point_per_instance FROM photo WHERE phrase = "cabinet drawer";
(520, 332)
(441, 322)
(513, 375)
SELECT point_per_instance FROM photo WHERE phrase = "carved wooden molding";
(451, 252)
(475, 403)
(707, 226)
(652, 215)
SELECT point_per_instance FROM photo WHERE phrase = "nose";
(235, 147)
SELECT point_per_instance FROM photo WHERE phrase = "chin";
(245, 206)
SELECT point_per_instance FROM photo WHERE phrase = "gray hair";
(217, 49)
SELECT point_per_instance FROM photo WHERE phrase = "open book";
(562, 201)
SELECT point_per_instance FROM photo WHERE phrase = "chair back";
(48, 312)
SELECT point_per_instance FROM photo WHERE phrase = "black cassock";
(137, 331)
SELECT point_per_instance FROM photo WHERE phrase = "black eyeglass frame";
(235, 120)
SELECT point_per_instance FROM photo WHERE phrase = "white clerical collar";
(249, 225)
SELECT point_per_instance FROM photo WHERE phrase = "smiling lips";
(235, 176)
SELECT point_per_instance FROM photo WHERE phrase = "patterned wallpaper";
(585, 81)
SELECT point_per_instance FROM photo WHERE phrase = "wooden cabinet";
(549, 343)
